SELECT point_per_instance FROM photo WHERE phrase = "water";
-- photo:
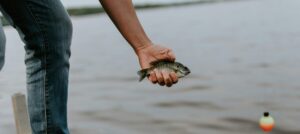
(244, 58)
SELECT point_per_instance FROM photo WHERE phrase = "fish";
(180, 69)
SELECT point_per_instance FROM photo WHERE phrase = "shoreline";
(83, 11)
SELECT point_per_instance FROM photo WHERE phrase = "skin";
(123, 15)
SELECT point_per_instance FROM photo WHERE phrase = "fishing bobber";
(267, 122)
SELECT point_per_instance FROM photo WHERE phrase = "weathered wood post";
(21, 114)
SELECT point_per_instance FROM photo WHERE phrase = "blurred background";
(243, 54)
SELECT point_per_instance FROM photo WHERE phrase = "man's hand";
(154, 53)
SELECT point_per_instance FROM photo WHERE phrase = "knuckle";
(160, 79)
(169, 80)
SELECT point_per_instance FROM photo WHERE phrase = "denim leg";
(46, 30)
(2, 46)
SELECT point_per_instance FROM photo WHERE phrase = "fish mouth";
(187, 72)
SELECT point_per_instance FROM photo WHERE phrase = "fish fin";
(142, 73)
(153, 63)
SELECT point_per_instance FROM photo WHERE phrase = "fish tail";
(142, 74)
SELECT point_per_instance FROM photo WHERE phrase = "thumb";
(167, 55)
(171, 56)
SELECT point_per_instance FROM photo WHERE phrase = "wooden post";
(21, 114)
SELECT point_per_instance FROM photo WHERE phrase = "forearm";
(123, 14)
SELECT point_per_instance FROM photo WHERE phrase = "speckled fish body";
(176, 67)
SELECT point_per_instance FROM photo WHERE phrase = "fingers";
(174, 77)
(167, 78)
(152, 78)
(159, 77)
(163, 77)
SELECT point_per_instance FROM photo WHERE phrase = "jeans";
(45, 28)
(2, 46)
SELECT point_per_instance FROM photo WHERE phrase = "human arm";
(123, 15)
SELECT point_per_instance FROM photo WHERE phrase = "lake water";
(244, 58)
